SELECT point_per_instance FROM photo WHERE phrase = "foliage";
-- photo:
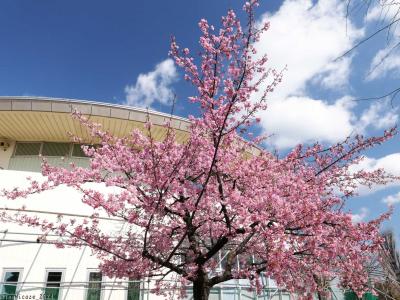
(388, 287)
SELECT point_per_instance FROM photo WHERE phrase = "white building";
(29, 127)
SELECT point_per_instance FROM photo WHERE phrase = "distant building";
(31, 127)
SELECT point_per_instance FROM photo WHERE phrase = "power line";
(26, 233)
(367, 38)
(6, 232)
(61, 214)
(37, 242)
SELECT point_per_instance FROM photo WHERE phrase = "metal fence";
(129, 290)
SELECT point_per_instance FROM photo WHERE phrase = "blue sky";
(117, 52)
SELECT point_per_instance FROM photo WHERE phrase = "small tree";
(387, 273)
(220, 191)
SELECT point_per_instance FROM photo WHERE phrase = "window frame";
(68, 154)
(27, 142)
(94, 270)
(19, 282)
(47, 271)
(141, 288)
(80, 146)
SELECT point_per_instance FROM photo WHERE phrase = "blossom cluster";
(185, 202)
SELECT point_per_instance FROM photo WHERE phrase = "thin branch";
(366, 39)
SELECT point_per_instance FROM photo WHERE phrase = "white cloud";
(379, 116)
(382, 11)
(153, 86)
(357, 218)
(392, 199)
(385, 61)
(302, 119)
(390, 163)
(374, 14)
(307, 37)
(336, 74)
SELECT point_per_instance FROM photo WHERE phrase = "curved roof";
(49, 119)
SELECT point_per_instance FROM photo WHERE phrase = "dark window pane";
(11, 277)
(95, 277)
(133, 290)
(27, 149)
(8, 291)
(94, 286)
(77, 151)
(53, 284)
(55, 149)
(54, 277)
(51, 293)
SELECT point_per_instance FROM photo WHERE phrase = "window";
(223, 260)
(214, 294)
(77, 150)
(94, 286)
(133, 289)
(50, 149)
(56, 149)
(53, 284)
(9, 289)
(23, 149)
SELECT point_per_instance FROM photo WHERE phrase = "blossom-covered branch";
(184, 203)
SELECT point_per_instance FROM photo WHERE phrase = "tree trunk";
(319, 296)
(201, 290)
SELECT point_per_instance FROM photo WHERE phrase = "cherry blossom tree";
(220, 190)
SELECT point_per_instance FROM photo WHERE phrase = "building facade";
(31, 128)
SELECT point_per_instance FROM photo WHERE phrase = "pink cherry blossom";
(221, 190)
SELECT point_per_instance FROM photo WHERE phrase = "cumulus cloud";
(306, 37)
(378, 117)
(384, 62)
(336, 74)
(359, 217)
(299, 119)
(382, 11)
(390, 163)
(153, 86)
(392, 199)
